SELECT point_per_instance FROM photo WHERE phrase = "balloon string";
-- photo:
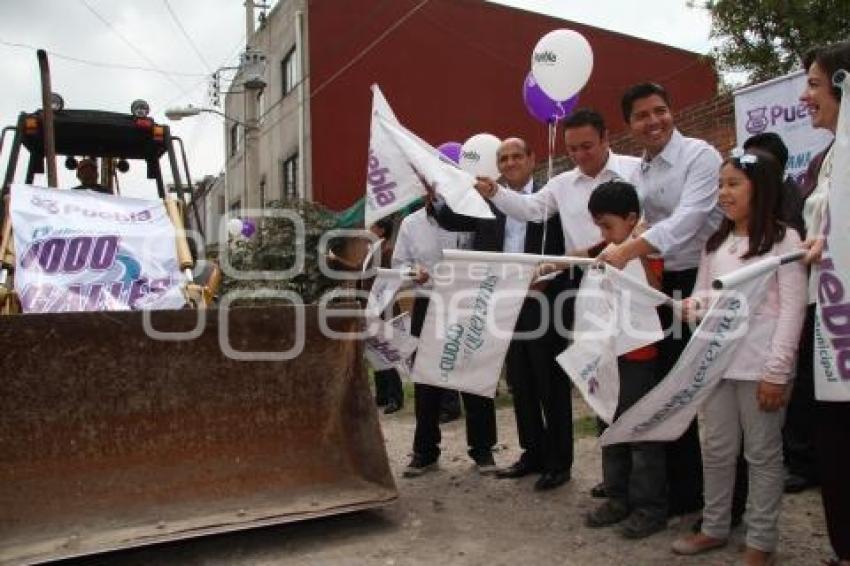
(553, 132)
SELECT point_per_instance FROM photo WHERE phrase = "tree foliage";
(273, 248)
(768, 38)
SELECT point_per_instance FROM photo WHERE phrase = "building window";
(290, 177)
(261, 106)
(235, 139)
(221, 205)
(290, 70)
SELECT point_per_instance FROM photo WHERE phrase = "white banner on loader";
(614, 314)
(470, 323)
(84, 251)
(391, 182)
(666, 411)
(832, 318)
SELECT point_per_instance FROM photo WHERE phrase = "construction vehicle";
(110, 438)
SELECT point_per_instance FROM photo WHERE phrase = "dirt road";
(454, 516)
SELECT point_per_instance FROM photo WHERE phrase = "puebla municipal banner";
(84, 251)
(774, 106)
(470, 323)
(392, 183)
(391, 345)
(832, 314)
(665, 412)
(614, 314)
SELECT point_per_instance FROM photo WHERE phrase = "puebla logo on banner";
(81, 251)
(774, 106)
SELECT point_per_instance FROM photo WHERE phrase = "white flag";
(832, 314)
(470, 322)
(84, 251)
(391, 182)
(666, 411)
(384, 288)
(591, 361)
(391, 345)
(614, 314)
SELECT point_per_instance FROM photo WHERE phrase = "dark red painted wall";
(453, 69)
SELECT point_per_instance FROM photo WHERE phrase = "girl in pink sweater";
(750, 399)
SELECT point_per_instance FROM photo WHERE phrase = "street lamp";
(176, 113)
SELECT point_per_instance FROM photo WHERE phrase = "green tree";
(768, 38)
(273, 247)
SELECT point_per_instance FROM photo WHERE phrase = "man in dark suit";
(540, 388)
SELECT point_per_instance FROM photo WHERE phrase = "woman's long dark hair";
(764, 227)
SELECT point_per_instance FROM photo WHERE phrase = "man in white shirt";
(678, 185)
(419, 246)
(564, 197)
(567, 194)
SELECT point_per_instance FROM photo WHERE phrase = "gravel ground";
(455, 516)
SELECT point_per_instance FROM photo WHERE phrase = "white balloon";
(234, 227)
(561, 63)
(478, 156)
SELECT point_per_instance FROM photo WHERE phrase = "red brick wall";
(453, 69)
(712, 120)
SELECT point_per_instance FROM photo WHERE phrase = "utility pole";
(252, 69)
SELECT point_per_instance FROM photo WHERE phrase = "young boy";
(634, 474)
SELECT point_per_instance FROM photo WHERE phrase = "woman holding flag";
(750, 398)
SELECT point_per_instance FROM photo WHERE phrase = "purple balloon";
(541, 106)
(451, 150)
(248, 227)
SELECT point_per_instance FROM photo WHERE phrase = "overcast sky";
(143, 34)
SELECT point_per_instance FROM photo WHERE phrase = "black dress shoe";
(796, 484)
(598, 491)
(392, 407)
(518, 469)
(551, 480)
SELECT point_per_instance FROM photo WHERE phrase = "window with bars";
(290, 177)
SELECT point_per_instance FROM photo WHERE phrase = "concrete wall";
(275, 135)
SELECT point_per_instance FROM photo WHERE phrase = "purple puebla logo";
(759, 119)
(52, 207)
(379, 182)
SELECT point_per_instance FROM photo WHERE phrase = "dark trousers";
(480, 411)
(684, 457)
(798, 443)
(480, 422)
(450, 402)
(388, 387)
(542, 404)
(831, 442)
(635, 473)
(541, 389)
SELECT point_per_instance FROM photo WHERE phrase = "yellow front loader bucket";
(112, 439)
